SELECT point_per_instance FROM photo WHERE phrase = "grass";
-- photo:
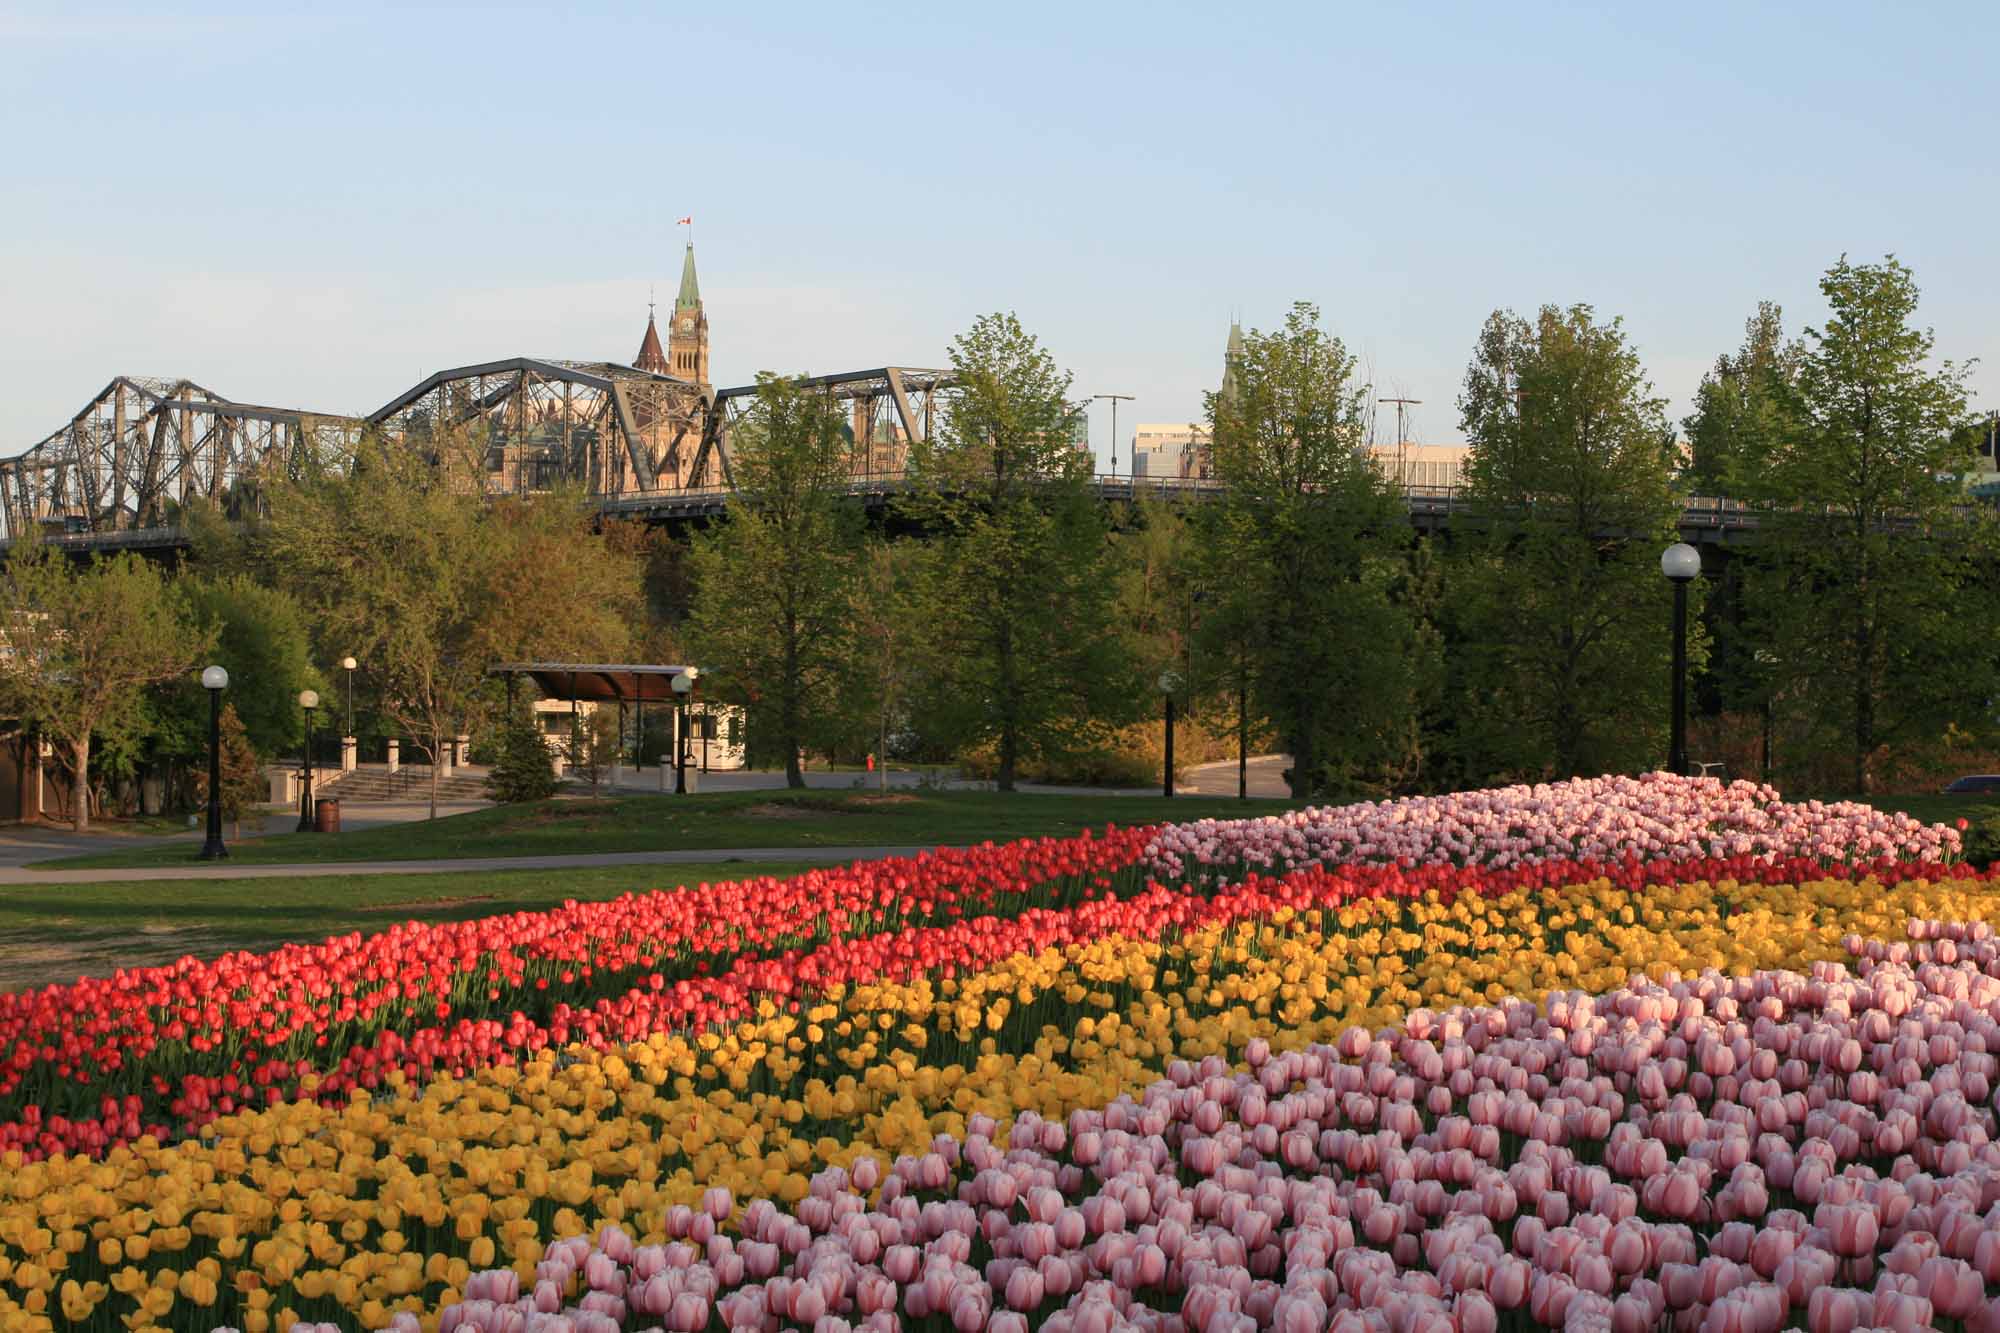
(58, 932)
(1935, 808)
(814, 818)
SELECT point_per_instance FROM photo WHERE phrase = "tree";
(403, 562)
(1743, 408)
(259, 634)
(1313, 534)
(1869, 552)
(772, 580)
(593, 746)
(883, 639)
(79, 646)
(389, 561)
(243, 785)
(1556, 599)
(523, 767)
(1022, 646)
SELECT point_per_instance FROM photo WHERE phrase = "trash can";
(326, 815)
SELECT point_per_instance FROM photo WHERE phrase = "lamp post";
(1169, 683)
(683, 684)
(1768, 660)
(1116, 398)
(215, 680)
(348, 664)
(350, 747)
(308, 700)
(1681, 563)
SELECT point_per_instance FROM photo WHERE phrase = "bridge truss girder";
(888, 409)
(142, 448)
(544, 423)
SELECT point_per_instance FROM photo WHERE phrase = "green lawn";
(817, 818)
(1933, 808)
(58, 932)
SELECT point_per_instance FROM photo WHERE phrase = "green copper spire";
(690, 295)
(1231, 356)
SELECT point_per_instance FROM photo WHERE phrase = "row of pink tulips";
(1589, 819)
(1732, 1154)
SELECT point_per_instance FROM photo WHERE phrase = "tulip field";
(1622, 1054)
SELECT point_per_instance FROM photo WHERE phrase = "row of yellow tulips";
(388, 1204)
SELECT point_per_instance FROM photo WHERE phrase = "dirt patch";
(434, 904)
(883, 798)
(777, 810)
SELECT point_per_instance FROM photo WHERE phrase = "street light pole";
(215, 680)
(683, 683)
(1168, 684)
(1116, 398)
(348, 664)
(308, 700)
(1681, 563)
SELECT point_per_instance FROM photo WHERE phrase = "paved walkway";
(20, 846)
(15, 875)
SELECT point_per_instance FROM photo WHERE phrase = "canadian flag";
(687, 221)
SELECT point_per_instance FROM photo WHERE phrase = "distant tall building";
(1183, 450)
(687, 340)
(1424, 465)
(685, 356)
(1169, 449)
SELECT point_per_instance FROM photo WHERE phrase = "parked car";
(1974, 784)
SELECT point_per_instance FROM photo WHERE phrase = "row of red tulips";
(160, 1050)
(655, 1002)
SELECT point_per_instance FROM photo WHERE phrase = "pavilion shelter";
(570, 689)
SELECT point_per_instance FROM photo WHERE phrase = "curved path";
(205, 870)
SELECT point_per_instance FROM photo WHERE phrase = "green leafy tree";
(243, 786)
(1743, 411)
(259, 634)
(390, 564)
(772, 581)
(1023, 647)
(523, 766)
(402, 561)
(1869, 593)
(1315, 536)
(79, 645)
(884, 635)
(1555, 599)
(593, 746)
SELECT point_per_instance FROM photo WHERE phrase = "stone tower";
(687, 333)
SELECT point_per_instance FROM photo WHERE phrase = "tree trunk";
(1009, 708)
(437, 749)
(1242, 740)
(793, 723)
(80, 792)
(1303, 762)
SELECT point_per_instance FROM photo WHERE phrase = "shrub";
(523, 767)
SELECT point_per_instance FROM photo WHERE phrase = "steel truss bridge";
(121, 471)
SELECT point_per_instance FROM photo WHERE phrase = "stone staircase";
(411, 782)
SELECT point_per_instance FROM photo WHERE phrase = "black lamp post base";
(214, 851)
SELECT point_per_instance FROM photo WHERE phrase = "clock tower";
(687, 334)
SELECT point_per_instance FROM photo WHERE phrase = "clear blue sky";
(318, 206)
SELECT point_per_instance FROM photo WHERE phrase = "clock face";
(687, 324)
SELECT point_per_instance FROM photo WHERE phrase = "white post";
(350, 754)
(463, 750)
(395, 755)
(444, 758)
